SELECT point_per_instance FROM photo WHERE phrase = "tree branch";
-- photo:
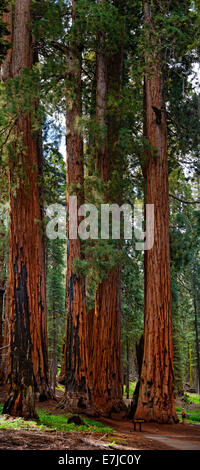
(5, 347)
(183, 284)
(183, 200)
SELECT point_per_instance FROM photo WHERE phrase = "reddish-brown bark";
(106, 369)
(2, 291)
(6, 73)
(76, 349)
(156, 396)
(196, 338)
(53, 343)
(28, 365)
(5, 353)
(106, 350)
(1, 318)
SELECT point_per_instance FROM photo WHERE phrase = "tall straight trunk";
(2, 291)
(127, 366)
(53, 346)
(156, 395)
(5, 352)
(76, 350)
(6, 73)
(102, 162)
(1, 319)
(106, 368)
(197, 339)
(106, 349)
(54, 363)
(53, 355)
(28, 365)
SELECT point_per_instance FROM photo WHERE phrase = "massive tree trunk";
(1, 319)
(196, 326)
(2, 291)
(5, 73)
(106, 367)
(28, 366)
(53, 333)
(76, 350)
(127, 367)
(5, 352)
(106, 349)
(156, 396)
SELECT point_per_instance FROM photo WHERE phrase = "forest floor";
(119, 435)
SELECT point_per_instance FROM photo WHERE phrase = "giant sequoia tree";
(156, 397)
(27, 365)
(106, 331)
(76, 348)
(91, 69)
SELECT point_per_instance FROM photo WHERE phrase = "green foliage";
(172, 29)
(50, 422)
(99, 258)
(18, 424)
(132, 295)
(54, 179)
(132, 386)
(54, 167)
(186, 399)
(56, 294)
(194, 398)
(132, 302)
(174, 35)
(185, 249)
(192, 416)
(59, 423)
(98, 18)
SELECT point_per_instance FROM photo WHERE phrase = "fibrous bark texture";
(28, 365)
(156, 396)
(76, 348)
(1, 318)
(106, 350)
(106, 367)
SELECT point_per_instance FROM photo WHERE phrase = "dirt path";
(174, 443)
(155, 436)
(152, 437)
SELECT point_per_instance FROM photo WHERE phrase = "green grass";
(59, 423)
(116, 441)
(194, 398)
(192, 416)
(48, 421)
(19, 423)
